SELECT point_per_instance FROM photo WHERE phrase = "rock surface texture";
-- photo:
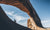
(26, 6)
(31, 24)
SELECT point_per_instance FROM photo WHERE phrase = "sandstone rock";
(25, 5)
(31, 24)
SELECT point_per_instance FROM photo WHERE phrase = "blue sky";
(42, 8)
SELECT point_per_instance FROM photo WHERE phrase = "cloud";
(16, 16)
(46, 23)
(23, 23)
(9, 13)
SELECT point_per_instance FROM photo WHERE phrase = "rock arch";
(25, 6)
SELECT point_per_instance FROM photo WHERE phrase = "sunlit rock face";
(17, 3)
(31, 24)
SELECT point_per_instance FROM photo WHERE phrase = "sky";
(42, 7)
